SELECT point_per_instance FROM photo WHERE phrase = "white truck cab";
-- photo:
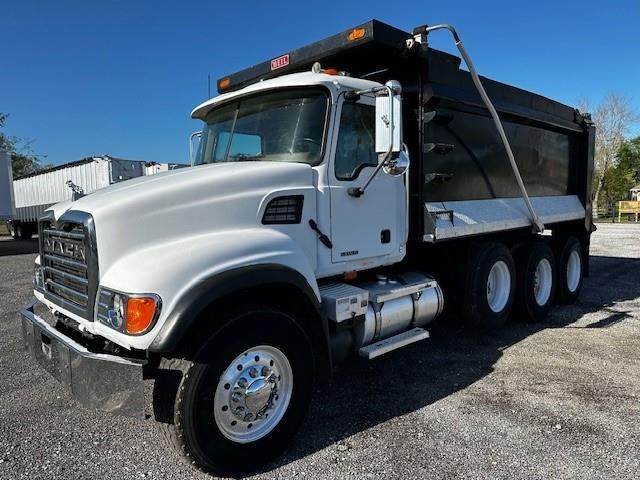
(327, 212)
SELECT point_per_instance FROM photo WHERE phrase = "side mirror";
(388, 133)
(389, 120)
(397, 166)
(197, 135)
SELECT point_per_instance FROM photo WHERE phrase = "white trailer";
(35, 192)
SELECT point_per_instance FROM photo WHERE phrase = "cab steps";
(393, 343)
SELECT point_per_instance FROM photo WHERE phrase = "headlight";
(133, 314)
(38, 277)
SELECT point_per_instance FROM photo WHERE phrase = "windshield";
(279, 126)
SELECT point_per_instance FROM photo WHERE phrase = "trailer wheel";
(243, 395)
(490, 287)
(570, 270)
(536, 280)
(12, 231)
(23, 232)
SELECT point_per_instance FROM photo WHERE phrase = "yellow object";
(224, 83)
(355, 34)
(140, 314)
(629, 206)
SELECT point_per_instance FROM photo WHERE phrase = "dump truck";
(37, 191)
(343, 195)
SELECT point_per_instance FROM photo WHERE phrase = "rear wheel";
(243, 396)
(536, 280)
(24, 232)
(570, 270)
(12, 231)
(490, 287)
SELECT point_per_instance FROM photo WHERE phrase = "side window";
(356, 141)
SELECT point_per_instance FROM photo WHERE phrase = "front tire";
(243, 396)
(490, 287)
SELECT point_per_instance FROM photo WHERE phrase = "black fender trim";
(183, 316)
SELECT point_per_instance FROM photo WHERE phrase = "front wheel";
(245, 394)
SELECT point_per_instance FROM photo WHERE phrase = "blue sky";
(121, 77)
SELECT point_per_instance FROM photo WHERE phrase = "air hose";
(538, 226)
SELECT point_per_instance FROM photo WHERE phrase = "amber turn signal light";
(141, 312)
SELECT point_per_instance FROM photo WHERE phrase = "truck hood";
(182, 203)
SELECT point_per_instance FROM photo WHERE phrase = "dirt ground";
(554, 400)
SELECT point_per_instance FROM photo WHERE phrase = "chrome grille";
(64, 256)
(103, 307)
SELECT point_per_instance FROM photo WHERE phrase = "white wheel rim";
(498, 286)
(253, 394)
(574, 270)
(542, 282)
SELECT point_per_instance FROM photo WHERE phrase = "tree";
(629, 160)
(23, 159)
(613, 118)
(619, 179)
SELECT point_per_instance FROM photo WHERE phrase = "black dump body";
(456, 152)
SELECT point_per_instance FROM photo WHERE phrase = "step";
(393, 343)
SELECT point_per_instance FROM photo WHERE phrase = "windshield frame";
(239, 98)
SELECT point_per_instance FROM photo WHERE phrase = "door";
(373, 225)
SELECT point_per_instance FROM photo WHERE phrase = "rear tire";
(536, 280)
(570, 270)
(24, 232)
(490, 287)
(12, 231)
(210, 409)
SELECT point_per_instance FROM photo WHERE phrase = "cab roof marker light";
(224, 83)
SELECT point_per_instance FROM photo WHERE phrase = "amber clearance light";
(141, 312)
(224, 83)
(356, 33)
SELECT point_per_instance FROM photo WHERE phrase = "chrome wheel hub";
(253, 394)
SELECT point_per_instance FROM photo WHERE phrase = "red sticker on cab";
(280, 62)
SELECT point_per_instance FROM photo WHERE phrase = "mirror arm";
(194, 134)
(359, 191)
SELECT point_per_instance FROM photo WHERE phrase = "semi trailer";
(37, 191)
(342, 196)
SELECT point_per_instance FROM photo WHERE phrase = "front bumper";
(97, 380)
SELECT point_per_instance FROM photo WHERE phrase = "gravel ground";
(554, 400)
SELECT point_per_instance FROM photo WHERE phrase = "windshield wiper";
(248, 158)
